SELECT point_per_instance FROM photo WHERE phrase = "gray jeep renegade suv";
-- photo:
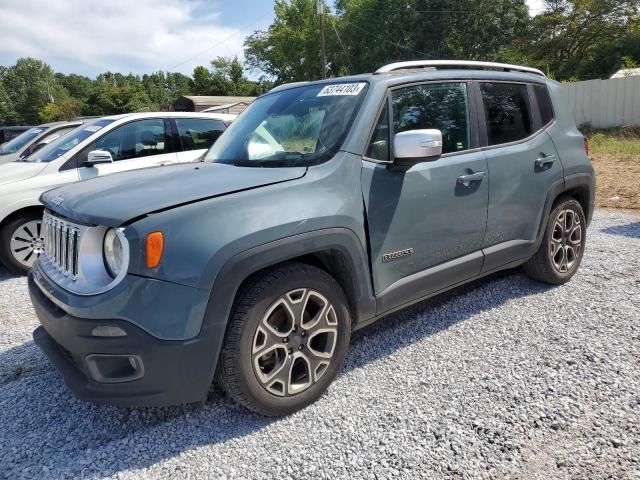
(324, 207)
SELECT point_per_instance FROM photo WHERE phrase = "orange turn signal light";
(155, 245)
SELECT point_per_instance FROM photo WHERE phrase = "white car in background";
(98, 147)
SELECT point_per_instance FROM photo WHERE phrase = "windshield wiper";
(268, 163)
(279, 159)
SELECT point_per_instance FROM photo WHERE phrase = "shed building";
(223, 104)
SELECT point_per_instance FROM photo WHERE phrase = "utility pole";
(323, 56)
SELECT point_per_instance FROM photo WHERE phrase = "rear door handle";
(471, 177)
(543, 161)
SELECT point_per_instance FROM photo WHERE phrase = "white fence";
(605, 103)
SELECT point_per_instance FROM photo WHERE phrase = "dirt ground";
(617, 181)
(615, 154)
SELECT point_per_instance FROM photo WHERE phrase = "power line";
(411, 10)
(218, 43)
(333, 24)
(388, 41)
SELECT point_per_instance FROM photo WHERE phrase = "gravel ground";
(503, 378)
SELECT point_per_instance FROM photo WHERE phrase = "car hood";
(115, 199)
(16, 171)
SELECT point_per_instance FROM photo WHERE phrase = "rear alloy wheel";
(562, 247)
(287, 340)
(565, 245)
(22, 242)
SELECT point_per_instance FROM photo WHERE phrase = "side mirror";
(415, 146)
(95, 157)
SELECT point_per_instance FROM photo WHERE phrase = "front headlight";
(113, 252)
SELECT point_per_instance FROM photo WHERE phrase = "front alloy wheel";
(286, 341)
(294, 343)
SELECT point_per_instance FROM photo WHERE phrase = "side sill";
(380, 316)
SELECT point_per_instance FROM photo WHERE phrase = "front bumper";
(162, 372)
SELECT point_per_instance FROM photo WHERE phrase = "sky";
(139, 36)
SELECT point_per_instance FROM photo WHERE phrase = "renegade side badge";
(387, 257)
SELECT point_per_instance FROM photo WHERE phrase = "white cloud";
(535, 6)
(89, 37)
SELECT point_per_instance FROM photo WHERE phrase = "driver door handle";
(543, 160)
(471, 177)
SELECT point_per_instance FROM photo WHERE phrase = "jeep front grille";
(62, 241)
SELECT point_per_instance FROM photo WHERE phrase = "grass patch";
(615, 141)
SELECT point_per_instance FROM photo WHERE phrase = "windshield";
(63, 144)
(21, 140)
(294, 127)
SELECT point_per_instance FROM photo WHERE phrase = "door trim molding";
(416, 286)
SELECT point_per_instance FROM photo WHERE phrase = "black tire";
(236, 369)
(543, 266)
(6, 232)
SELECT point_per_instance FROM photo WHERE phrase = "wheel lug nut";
(301, 347)
(286, 339)
(290, 350)
(303, 333)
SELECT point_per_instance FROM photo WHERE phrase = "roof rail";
(453, 64)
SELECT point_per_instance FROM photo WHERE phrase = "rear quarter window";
(544, 104)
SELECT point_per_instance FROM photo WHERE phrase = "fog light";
(108, 331)
(114, 368)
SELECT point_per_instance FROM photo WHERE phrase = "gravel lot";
(504, 378)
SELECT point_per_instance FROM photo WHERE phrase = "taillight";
(586, 146)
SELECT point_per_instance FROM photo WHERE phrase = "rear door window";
(199, 133)
(507, 112)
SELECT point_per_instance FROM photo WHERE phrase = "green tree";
(377, 32)
(583, 38)
(117, 93)
(155, 85)
(289, 50)
(78, 86)
(482, 32)
(30, 84)
(178, 84)
(228, 78)
(201, 81)
(8, 114)
(362, 35)
(67, 110)
(163, 88)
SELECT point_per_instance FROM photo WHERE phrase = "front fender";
(241, 266)
(7, 210)
(244, 264)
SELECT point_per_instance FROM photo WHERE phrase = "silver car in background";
(34, 139)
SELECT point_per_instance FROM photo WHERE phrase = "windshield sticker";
(93, 128)
(340, 89)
